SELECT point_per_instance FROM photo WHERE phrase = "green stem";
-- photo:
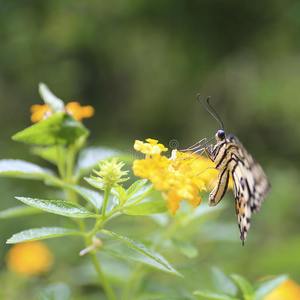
(106, 195)
(109, 292)
(60, 163)
(70, 163)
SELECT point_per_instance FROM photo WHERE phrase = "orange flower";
(79, 112)
(41, 112)
(31, 258)
(178, 178)
(288, 290)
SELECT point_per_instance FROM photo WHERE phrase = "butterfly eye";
(221, 134)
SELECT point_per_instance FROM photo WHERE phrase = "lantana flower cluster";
(178, 177)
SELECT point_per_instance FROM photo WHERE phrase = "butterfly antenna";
(211, 110)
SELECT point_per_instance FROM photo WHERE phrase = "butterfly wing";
(251, 185)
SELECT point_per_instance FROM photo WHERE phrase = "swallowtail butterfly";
(250, 183)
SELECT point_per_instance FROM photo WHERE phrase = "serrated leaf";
(139, 247)
(59, 129)
(18, 211)
(55, 291)
(185, 248)
(41, 233)
(214, 295)
(89, 157)
(50, 153)
(95, 183)
(55, 103)
(222, 282)
(22, 169)
(141, 193)
(135, 187)
(266, 287)
(59, 207)
(125, 252)
(243, 284)
(93, 197)
(146, 208)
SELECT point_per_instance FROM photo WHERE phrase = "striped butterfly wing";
(251, 185)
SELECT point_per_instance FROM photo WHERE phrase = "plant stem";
(70, 163)
(109, 292)
(60, 163)
(106, 195)
(67, 178)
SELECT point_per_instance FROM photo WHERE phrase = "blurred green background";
(141, 64)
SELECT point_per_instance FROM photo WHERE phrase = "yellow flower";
(288, 290)
(79, 112)
(150, 148)
(41, 112)
(178, 178)
(31, 258)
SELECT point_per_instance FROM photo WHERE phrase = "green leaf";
(40, 234)
(18, 211)
(135, 187)
(119, 191)
(141, 193)
(59, 207)
(266, 287)
(139, 247)
(50, 153)
(59, 129)
(244, 284)
(93, 197)
(185, 248)
(89, 157)
(95, 183)
(213, 295)
(222, 282)
(55, 291)
(146, 208)
(125, 252)
(55, 103)
(22, 169)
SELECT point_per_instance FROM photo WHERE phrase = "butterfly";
(250, 183)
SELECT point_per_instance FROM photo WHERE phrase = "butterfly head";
(220, 135)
